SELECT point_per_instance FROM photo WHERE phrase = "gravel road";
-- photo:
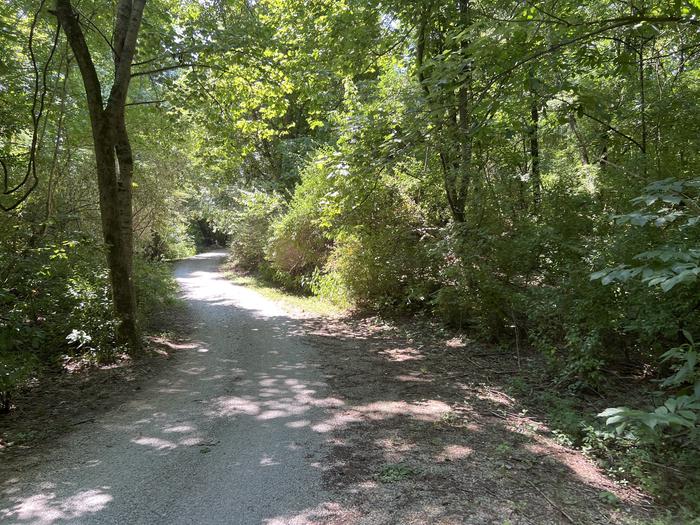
(225, 435)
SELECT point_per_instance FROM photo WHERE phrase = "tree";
(113, 155)
(444, 58)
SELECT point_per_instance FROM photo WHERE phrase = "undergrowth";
(274, 291)
(659, 466)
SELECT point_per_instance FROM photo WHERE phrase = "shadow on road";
(270, 418)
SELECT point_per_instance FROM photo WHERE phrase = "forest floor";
(78, 392)
(323, 419)
(428, 434)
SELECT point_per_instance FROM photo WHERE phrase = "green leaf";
(612, 411)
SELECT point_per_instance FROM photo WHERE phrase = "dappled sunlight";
(278, 397)
(426, 411)
(324, 513)
(195, 370)
(338, 421)
(456, 342)
(494, 396)
(177, 346)
(175, 391)
(214, 288)
(454, 452)
(431, 410)
(156, 443)
(242, 396)
(248, 401)
(451, 266)
(271, 402)
(394, 447)
(579, 466)
(414, 377)
(46, 508)
(233, 406)
(402, 354)
(298, 424)
(441, 426)
(268, 461)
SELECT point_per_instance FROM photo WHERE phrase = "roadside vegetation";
(523, 173)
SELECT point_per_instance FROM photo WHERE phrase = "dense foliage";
(475, 166)
(55, 294)
(526, 172)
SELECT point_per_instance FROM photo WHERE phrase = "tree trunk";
(119, 250)
(125, 214)
(534, 139)
(462, 175)
(53, 168)
(454, 117)
(583, 150)
(535, 178)
(113, 155)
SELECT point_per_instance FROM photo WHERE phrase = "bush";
(47, 294)
(480, 276)
(299, 244)
(15, 369)
(55, 302)
(671, 266)
(249, 226)
(156, 288)
(175, 242)
(377, 268)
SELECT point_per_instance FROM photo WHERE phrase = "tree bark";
(534, 138)
(53, 168)
(583, 150)
(462, 176)
(113, 156)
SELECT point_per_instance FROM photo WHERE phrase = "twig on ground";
(89, 420)
(680, 473)
(562, 511)
(496, 414)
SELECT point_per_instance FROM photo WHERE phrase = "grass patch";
(394, 473)
(309, 304)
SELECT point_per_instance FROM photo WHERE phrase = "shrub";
(175, 242)
(15, 369)
(156, 288)
(482, 275)
(47, 293)
(249, 226)
(376, 268)
(55, 302)
(298, 244)
(673, 207)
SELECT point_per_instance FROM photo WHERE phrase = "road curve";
(230, 433)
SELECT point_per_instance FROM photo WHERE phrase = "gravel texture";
(225, 435)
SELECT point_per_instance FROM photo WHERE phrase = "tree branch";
(614, 23)
(91, 25)
(68, 19)
(173, 67)
(38, 102)
(144, 102)
(121, 24)
(122, 73)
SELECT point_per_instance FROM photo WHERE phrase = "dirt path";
(426, 434)
(271, 418)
